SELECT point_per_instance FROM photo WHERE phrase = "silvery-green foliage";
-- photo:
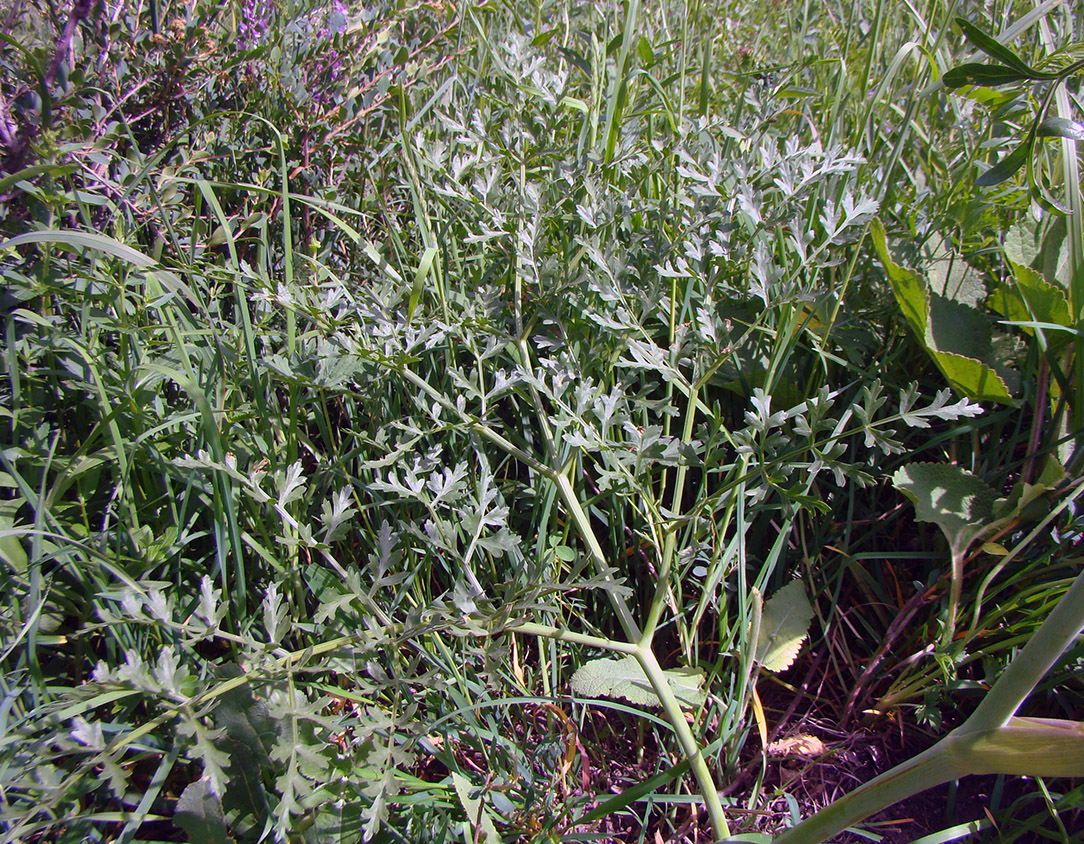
(330, 539)
(272, 730)
(808, 439)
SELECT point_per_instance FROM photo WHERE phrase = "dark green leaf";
(249, 736)
(1061, 127)
(957, 328)
(974, 73)
(336, 822)
(543, 38)
(909, 288)
(199, 814)
(1007, 166)
(996, 50)
(644, 51)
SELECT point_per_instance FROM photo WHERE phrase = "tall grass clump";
(449, 422)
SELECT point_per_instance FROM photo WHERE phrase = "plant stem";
(973, 746)
(587, 534)
(670, 705)
(571, 637)
(641, 651)
(1047, 644)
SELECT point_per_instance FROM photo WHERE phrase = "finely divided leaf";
(784, 626)
(624, 678)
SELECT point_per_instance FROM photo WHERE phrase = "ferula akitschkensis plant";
(401, 401)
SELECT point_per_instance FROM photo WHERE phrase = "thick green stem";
(990, 741)
(641, 650)
(1047, 644)
(587, 534)
(573, 638)
(670, 705)
(686, 739)
(926, 770)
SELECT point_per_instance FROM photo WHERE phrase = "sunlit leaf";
(1031, 298)
(784, 626)
(624, 678)
(955, 500)
(1007, 166)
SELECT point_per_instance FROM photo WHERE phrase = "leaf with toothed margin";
(784, 626)
(958, 502)
(624, 678)
(956, 336)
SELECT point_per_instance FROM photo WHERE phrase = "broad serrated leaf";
(784, 626)
(1032, 299)
(624, 678)
(909, 288)
(199, 814)
(958, 329)
(956, 336)
(336, 822)
(959, 339)
(955, 500)
(1024, 242)
(971, 377)
(248, 736)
